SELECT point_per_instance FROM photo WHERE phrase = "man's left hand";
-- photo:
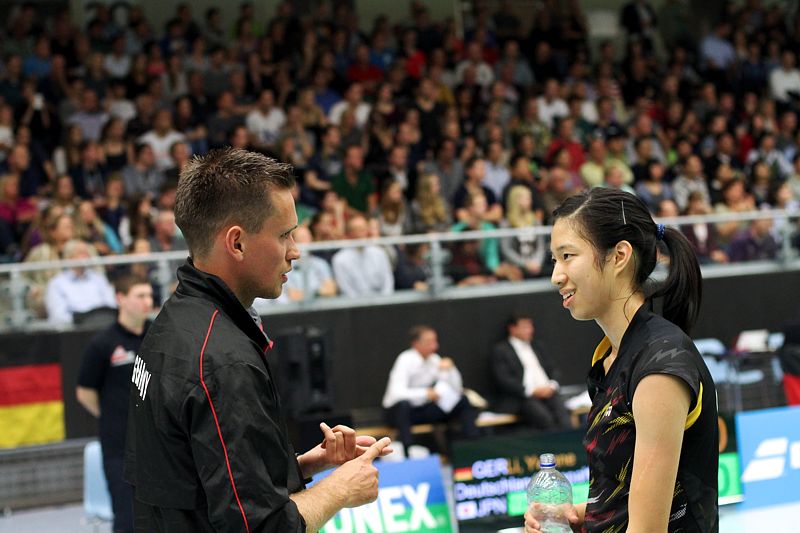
(339, 445)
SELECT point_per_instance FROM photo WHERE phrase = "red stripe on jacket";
(216, 422)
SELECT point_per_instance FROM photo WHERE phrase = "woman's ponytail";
(683, 289)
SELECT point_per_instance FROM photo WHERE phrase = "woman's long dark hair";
(604, 217)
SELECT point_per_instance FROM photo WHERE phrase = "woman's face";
(585, 290)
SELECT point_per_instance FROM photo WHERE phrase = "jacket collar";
(198, 284)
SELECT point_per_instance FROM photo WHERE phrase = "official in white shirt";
(523, 379)
(425, 388)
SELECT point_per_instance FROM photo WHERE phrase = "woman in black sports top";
(652, 440)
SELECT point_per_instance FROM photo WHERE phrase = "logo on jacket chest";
(141, 377)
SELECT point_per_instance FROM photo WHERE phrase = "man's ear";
(234, 242)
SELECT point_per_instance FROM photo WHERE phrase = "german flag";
(462, 474)
(31, 405)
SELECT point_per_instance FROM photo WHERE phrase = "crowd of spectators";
(404, 128)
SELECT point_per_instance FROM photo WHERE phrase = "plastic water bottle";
(552, 494)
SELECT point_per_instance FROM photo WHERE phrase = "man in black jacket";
(522, 378)
(207, 446)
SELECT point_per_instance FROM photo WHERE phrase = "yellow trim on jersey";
(692, 417)
(602, 350)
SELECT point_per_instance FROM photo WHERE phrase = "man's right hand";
(543, 392)
(432, 395)
(358, 478)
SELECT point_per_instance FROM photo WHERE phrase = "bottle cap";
(547, 460)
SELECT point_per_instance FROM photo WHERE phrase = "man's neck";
(134, 325)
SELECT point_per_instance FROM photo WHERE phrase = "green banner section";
(433, 518)
(730, 485)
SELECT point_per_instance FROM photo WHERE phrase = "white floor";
(777, 519)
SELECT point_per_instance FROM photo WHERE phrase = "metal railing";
(14, 284)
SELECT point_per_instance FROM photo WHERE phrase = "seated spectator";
(32, 181)
(113, 208)
(91, 229)
(779, 166)
(703, 236)
(143, 176)
(161, 138)
(614, 179)
(429, 210)
(354, 102)
(691, 180)
(90, 118)
(523, 378)
(447, 166)
(784, 82)
(116, 149)
(355, 184)
(265, 121)
(223, 121)
(755, 243)
(412, 269)
(426, 388)
(180, 153)
(475, 173)
(735, 199)
(137, 223)
(557, 189)
(79, 289)
(15, 211)
(525, 251)
(56, 228)
(497, 174)
(191, 123)
(476, 262)
(652, 189)
(165, 233)
(592, 171)
(392, 214)
(550, 105)
(565, 141)
(89, 176)
(365, 270)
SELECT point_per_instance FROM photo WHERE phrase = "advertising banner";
(490, 475)
(410, 499)
(769, 445)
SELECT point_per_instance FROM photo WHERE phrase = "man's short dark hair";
(227, 186)
(516, 318)
(416, 332)
(125, 282)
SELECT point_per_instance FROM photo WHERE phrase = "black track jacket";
(207, 446)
